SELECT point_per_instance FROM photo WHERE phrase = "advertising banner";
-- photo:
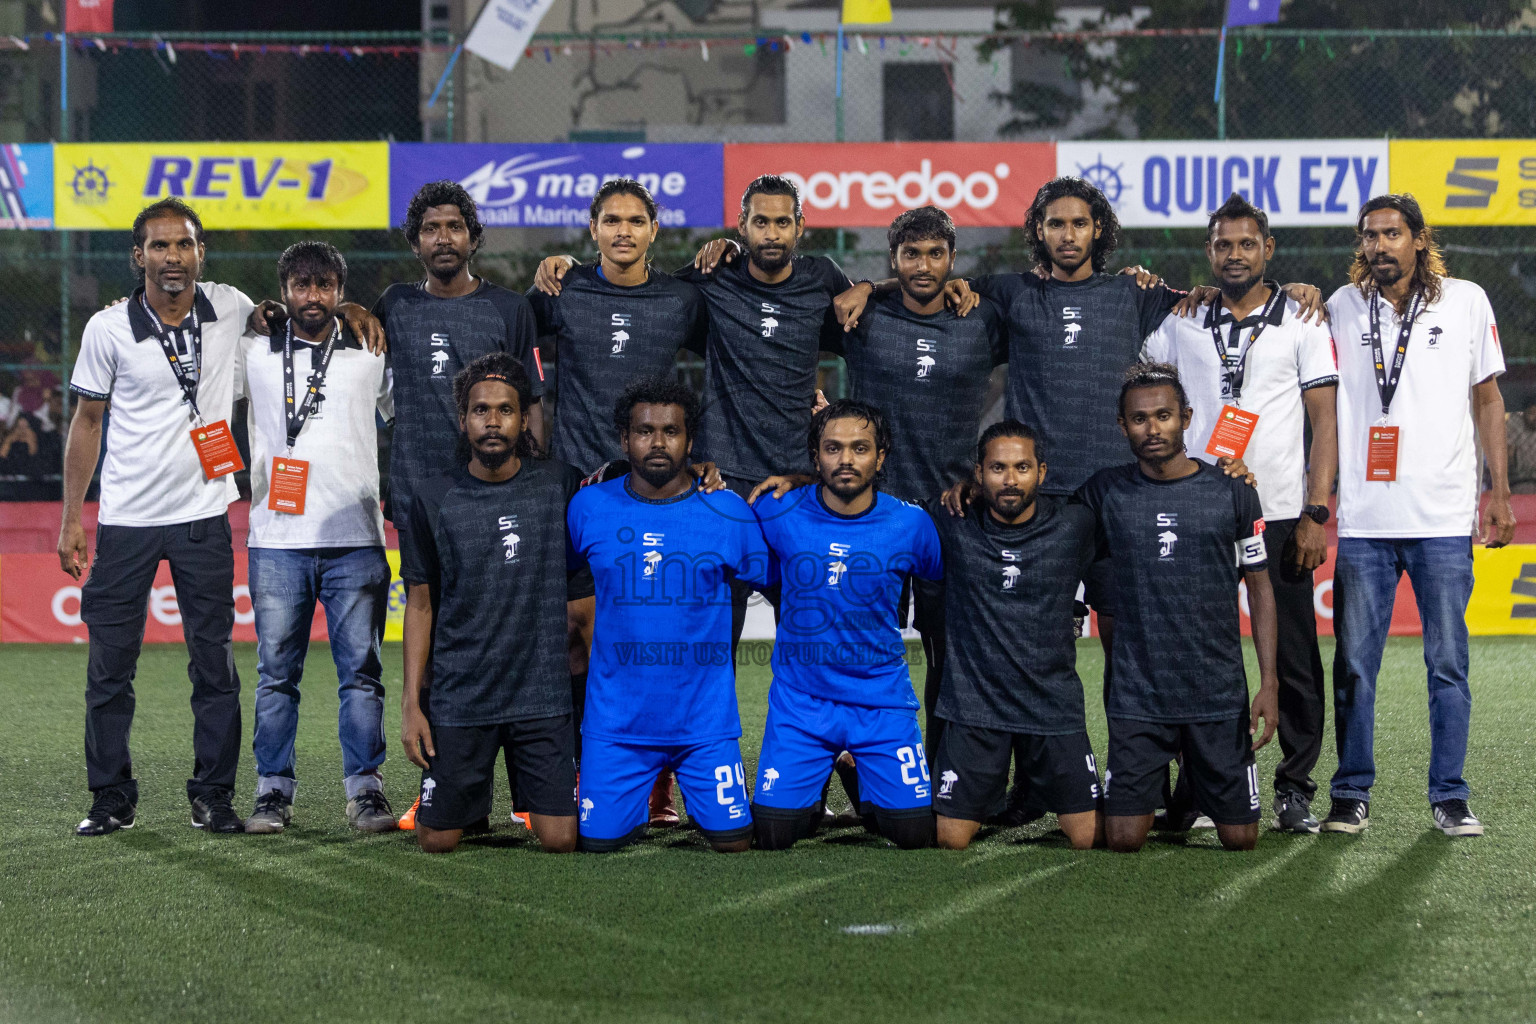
(40, 604)
(232, 185)
(1469, 181)
(867, 184)
(531, 185)
(26, 185)
(1298, 183)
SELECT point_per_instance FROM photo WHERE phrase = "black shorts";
(541, 753)
(1218, 757)
(970, 773)
(1099, 587)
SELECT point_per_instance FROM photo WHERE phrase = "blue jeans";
(352, 584)
(1364, 586)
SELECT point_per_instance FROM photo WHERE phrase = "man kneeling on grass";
(488, 570)
(1010, 688)
(1181, 533)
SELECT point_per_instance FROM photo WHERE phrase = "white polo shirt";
(339, 441)
(1291, 356)
(151, 475)
(1454, 345)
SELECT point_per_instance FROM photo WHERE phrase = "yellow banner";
(231, 185)
(394, 618)
(1468, 181)
(1504, 596)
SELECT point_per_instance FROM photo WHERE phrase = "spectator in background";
(31, 395)
(1520, 428)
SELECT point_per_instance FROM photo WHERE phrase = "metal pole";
(1221, 84)
(452, 88)
(837, 101)
(65, 245)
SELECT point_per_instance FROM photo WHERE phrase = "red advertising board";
(40, 604)
(867, 184)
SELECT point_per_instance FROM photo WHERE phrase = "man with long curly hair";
(1419, 361)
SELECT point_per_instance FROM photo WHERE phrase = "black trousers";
(113, 605)
(1303, 689)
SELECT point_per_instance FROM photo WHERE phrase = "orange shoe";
(521, 818)
(408, 819)
(663, 807)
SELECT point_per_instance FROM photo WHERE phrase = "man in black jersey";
(1178, 532)
(770, 316)
(611, 323)
(927, 368)
(438, 326)
(1010, 685)
(486, 589)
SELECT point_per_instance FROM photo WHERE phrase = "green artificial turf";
(164, 923)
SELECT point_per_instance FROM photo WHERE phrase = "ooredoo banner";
(853, 184)
(40, 604)
(1297, 182)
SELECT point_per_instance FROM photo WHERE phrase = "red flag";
(87, 15)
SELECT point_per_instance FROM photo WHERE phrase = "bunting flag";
(869, 12)
(87, 15)
(1252, 12)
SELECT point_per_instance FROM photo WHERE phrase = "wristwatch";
(1317, 513)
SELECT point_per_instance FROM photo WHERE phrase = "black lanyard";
(312, 396)
(1387, 378)
(1234, 370)
(187, 381)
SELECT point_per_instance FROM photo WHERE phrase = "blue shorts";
(804, 735)
(616, 780)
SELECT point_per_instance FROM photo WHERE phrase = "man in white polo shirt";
(1255, 372)
(317, 532)
(165, 361)
(1418, 365)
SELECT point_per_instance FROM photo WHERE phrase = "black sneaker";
(369, 811)
(1455, 818)
(216, 813)
(110, 812)
(1348, 816)
(272, 814)
(1293, 813)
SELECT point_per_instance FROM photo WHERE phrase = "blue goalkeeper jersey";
(661, 669)
(838, 638)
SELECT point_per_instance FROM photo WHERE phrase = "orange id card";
(1381, 454)
(1233, 430)
(287, 486)
(216, 448)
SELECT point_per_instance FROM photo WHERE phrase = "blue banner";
(26, 185)
(533, 185)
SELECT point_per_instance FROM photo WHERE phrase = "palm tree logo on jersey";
(509, 540)
(837, 567)
(586, 807)
(768, 323)
(439, 363)
(769, 778)
(619, 321)
(924, 364)
(652, 559)
(949, 778)
(1010, 576)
